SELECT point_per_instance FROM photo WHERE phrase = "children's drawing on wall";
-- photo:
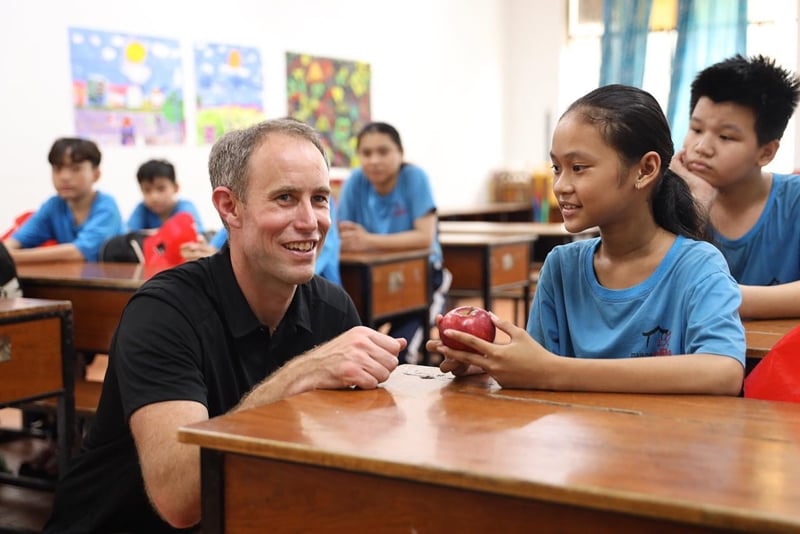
(127, 89)
(333, 96)
(229, 89)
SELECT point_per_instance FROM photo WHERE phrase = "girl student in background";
(387, 204)
(646, 307)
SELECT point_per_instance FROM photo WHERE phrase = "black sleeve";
(156, 354)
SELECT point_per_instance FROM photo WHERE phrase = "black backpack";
(125, 248)
(9, 284)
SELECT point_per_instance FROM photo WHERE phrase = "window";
(771, 25)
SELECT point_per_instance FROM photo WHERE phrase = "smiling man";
(246, 326)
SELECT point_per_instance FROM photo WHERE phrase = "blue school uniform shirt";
(54, 220)
(143, 218)
(769, 253)
(394, 212)
(689, 305)
(327, 265)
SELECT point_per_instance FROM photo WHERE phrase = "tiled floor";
(26, 510)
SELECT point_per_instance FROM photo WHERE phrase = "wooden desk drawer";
(95, 313)
(400, 286)
(510, 264)
(30, 358)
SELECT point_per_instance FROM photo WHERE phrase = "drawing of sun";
(135, 52)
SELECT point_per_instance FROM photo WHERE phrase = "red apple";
(469, 319)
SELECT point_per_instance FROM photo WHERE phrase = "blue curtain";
(708, 31)
(626, 23)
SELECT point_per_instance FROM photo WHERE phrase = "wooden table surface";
(98, 292)
(677, 462)
(107, 275)
(762, 334)
(493, 211)
(493, 227)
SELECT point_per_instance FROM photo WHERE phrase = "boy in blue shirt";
(160, 191)
(739, 110)
(78, 218)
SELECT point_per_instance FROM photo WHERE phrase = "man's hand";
(361, 357)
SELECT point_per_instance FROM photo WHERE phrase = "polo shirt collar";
(241, 319)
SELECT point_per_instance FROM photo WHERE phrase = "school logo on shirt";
(398, 210)
(656, 342)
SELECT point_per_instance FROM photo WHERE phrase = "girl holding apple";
(649, 306)
(387, 204)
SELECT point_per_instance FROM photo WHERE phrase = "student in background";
(160, 192)
(647, 307)
(78, 218)
(739, 110)
(327, 265)
(235, 330)
(387, 204)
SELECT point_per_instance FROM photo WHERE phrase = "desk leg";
(65, 409)
(486, 281)
(526, 294)
(212, 488)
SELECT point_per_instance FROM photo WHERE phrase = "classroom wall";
(468, 83)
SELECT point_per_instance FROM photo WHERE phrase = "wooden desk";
(98, 292)
(37, 362)
(762, 334)
(495, 211)
(484, 263)
(387, 284)
(494, 227)
(547, 235)
(428, 453)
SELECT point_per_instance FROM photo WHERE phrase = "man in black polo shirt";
(247, 326)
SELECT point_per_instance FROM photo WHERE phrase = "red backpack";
(777, 375)
(164, 247)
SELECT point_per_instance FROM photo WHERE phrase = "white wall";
(455, 77)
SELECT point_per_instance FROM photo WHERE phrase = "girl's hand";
(521, 362)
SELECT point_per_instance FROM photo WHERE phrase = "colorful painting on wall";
(127, 89)
(229, 89)
(332, 95)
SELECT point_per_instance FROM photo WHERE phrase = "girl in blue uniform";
(387, 204)
(647, 307)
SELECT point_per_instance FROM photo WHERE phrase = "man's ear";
(228, 206)
(96, 173)
(767, 151)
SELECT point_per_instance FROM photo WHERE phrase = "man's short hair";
(229, 159)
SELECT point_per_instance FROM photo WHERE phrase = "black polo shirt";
(187, 334)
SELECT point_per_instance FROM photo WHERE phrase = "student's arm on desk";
(60, 252)
(360, 357)
(770, 302)
(355, 238)
(524, 363)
